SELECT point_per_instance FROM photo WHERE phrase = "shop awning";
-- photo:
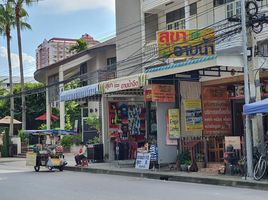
(125, 83)
(194, 64)
(257, 107)
(79, 93)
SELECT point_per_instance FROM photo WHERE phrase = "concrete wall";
(166, 153)
(129, 34)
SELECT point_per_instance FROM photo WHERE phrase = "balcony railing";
(152, 4)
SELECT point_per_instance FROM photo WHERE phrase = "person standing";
(82, 154)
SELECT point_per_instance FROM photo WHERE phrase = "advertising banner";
(143, 161)
(193, 114)
(163, 93)
(174, 131)
(186, 43)
(217, 115)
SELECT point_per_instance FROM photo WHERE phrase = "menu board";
(217, 115)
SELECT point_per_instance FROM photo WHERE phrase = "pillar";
(62, 104)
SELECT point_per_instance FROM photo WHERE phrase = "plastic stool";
(84, 162)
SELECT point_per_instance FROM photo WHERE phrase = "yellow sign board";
(30, 159)
(193, 115)
(186, 43)
(174, 123)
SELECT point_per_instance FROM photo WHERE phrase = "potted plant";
(184, 160)
(200, 160)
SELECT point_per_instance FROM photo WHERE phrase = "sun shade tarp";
(257, 107)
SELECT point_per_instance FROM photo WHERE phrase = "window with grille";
(193, 8)
(233, 9)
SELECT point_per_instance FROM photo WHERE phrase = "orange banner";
(163, 93)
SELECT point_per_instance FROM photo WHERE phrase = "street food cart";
(47, 154)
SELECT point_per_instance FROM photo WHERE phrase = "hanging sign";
(193, 115)
(186, 43)
(143, 161)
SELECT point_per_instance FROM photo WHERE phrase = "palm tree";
(80, 45)
(7, 18)
(19, 14)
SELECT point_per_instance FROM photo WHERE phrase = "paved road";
(20, 183)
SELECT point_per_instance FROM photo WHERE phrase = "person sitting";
(82, 154)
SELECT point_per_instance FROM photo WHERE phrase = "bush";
(95, 140)
(69, 140)
(184, 157)
(22, 136)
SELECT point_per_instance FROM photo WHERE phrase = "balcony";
(149, 5)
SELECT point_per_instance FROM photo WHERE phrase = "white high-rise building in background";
(56, 49)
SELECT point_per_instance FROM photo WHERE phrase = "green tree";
(20, 14)
(80, 45)
(7, 23)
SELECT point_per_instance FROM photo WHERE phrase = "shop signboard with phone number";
(126, 83)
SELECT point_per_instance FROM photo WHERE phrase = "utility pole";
(255, 94)
(246, 89)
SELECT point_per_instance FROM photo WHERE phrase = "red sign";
(217, 115)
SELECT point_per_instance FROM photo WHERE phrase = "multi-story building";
(56, 49)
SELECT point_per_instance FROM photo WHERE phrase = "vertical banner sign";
(174, 123)
(186, 43)
(193, 114)
(217, 115)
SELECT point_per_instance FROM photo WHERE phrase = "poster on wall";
(163, 93)
(193, 115)
(217, 115)
(174, 123)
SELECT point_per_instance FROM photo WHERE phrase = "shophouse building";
(201, 85)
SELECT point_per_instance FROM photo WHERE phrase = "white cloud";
(28, 62)
(76, 5)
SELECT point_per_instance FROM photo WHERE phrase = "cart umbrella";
(256, 107)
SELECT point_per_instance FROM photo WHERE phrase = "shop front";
(124, 117)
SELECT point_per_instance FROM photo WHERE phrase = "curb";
(179, 178)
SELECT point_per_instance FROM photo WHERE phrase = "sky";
(58, 18)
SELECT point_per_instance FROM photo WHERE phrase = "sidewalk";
(163, 174)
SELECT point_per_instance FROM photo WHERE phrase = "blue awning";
(79, 93)
(257, 107)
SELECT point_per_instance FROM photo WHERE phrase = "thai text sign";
(193, 114)
(131, 82)
(174, 123)
(217, 115)
(143, 161)
(186, 43)
(163, 93)
(234, 141)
